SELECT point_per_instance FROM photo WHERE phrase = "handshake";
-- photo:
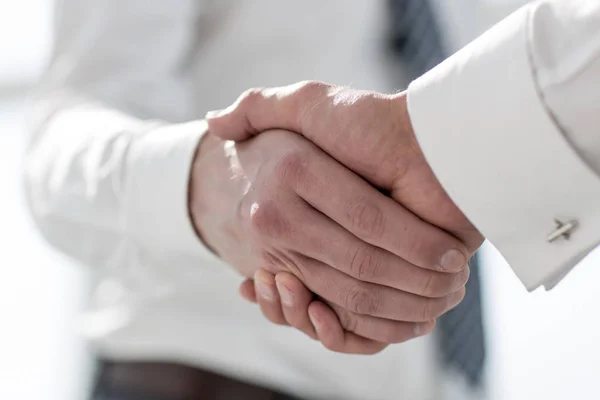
(322, 196)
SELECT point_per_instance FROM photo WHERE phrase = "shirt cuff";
(159, 167)
(490, 140)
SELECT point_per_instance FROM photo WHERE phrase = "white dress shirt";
(521, 105)
(116, 124)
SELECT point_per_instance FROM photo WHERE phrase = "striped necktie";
(416, 39)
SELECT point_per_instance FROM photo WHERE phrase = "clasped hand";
(307, 217)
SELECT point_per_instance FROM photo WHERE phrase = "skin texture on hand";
(294, 305)
(280, 203)
(368, 132)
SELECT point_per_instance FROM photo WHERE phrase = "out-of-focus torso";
(202, 320)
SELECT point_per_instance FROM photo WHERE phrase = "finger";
(290, 223)
(295, 299)
(380, 329)
(369, 215)
(247, 290)
(268, 298)
(340, 194)
(327, 116)
(334, 338)
(365, 298)
(326, 241)
(258, 110)
(324, 114)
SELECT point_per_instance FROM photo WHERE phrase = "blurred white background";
(41, 293)
(542, 345)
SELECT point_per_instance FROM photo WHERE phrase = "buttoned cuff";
(158, 172)
(490, 140)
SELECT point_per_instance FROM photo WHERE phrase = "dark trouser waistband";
(166, 381)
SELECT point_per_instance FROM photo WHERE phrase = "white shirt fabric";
(511, 127)
(116, 124)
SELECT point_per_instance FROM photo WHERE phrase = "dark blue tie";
(416, 39)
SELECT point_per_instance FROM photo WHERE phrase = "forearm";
(92, 175)
(109, 160)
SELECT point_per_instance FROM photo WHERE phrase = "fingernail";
(455, 298)
(214, 114)
(265, 290)
(453, 260)
(287, 297)
(315, 321)
(422, 329)
(460, 279)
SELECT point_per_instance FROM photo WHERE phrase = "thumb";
(259, 110)
(247, 290)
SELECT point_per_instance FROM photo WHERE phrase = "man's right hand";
(278, 202)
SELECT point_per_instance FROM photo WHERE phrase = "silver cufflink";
(563, 230)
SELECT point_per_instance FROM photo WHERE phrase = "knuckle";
(268, 261)
(292, 169)
(310, 95)
(366, 219)
(298, 267)
(365, 263)
(347, 320)
(275, 262)
(266, 220)
(311, 88)
(250, 96)
(360, 300)
(250, 100)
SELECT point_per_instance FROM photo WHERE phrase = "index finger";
(374, 218)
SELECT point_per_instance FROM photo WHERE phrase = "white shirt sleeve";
(105, 183)
(509, 125)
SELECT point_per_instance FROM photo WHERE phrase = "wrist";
(198, 188)
(411, 158)
(405, 127)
